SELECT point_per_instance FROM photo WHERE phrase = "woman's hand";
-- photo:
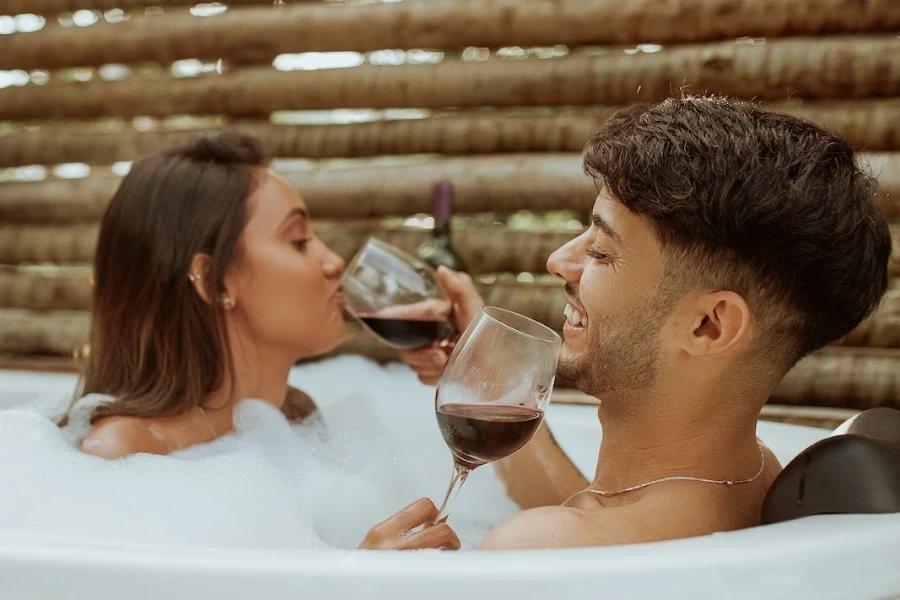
(395, 532)
(428, 363)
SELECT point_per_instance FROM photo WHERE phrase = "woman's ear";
(197, 275)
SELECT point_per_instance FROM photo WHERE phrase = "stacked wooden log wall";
(502, 111)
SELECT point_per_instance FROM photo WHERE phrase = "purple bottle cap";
(443, 200)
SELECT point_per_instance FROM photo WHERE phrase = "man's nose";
(567, 262)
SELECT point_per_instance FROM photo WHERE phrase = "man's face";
(613, 331)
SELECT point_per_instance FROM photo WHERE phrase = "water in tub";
(269, 484)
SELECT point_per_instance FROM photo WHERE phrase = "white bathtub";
(830, 557)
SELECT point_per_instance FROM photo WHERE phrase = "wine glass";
(397, 297)
(492, 394)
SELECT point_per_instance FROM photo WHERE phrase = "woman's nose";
(332, 264)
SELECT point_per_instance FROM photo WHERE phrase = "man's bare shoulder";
(654, 517)
(116, 437)
(544, 527)
(562, 527)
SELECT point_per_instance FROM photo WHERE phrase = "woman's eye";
(300, 244)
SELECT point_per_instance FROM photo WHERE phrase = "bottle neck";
(442, 201)
(443, 209)
(441, 231)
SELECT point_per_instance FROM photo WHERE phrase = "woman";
(209, 286)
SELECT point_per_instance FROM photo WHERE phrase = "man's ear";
(198, 273)
(718, 321)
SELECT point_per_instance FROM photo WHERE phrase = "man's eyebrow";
(604, 226)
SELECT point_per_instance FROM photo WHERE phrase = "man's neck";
(652, 434)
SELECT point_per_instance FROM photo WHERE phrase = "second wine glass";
(397, 297)
(493, 392)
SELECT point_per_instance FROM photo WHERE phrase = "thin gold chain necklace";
(605, 493)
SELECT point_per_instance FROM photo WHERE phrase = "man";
(726, 243)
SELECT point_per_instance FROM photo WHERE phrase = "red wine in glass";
(494, 390)
(409, 334)
(398, 298)
(481, 433)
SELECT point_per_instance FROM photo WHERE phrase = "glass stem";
(460, 473)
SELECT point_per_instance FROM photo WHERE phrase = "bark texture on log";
(472, 132)
(485, 249)
(856, 378)
(52, 7)
(501, 184)
(844, 377)
(544, 303)
(259, 34)
(870, 124)
(844, 67)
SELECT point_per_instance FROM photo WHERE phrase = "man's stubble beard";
(626, 360)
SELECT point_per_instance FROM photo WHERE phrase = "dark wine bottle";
(439, 249)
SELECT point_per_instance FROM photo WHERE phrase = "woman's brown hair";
(155, 345)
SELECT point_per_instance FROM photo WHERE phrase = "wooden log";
(67, 301)
(810, 416)
(542, 302)
(844, 377)
(42, 292)
(63, 333)
(894, 264)
(882, 329)
(47, 244)
(486, 249)
(886, 167)
(38, 292)
(472, 132)
(870, 124)
(499, 184)
(45, 364)
(843, 67)
(260, 34)
(856, 378)
(52, 7)
(27, 332)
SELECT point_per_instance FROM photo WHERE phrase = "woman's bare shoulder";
(115, 437)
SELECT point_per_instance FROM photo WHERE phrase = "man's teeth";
(574, 317)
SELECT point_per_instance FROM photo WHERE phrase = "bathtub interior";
(20, 387)
(834, 556)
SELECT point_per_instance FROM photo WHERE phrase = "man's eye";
(597, 254)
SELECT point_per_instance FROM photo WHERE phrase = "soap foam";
(374, 448)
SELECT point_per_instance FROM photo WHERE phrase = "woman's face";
(285, 282)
